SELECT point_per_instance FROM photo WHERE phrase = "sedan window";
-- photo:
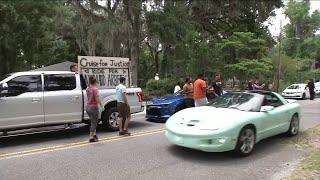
(294, 87)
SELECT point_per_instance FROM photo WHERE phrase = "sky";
(275, 21)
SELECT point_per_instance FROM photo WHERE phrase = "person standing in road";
(200, 88)
(188, 90)
(311, 89)
(92, 107)
(217, 85)
(123, 107)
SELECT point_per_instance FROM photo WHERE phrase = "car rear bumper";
(292, 96)
(202, 143)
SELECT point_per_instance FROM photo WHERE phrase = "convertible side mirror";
(266, 108)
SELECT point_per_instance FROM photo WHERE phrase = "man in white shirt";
(123, 107)
(177, 88)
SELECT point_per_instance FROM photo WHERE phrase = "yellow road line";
(74, 145)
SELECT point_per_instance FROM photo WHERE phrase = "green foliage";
(161, 87)
(29, 37)
(243, 54)
(300, 43)
(246, 69)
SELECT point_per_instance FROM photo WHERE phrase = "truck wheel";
(110, 119)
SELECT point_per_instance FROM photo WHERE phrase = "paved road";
(145, 155)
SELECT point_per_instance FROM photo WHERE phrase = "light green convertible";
(234, 121)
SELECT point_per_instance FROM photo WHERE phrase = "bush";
(161, 87)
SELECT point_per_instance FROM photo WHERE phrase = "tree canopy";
(174, 38)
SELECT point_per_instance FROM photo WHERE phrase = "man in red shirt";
(200, 97)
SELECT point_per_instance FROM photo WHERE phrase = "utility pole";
(279, 60)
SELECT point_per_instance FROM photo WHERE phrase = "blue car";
(160, 109)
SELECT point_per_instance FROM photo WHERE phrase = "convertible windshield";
(240, 101)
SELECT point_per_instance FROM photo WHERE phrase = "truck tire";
(110, 119)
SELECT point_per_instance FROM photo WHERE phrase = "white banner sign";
(107, 70)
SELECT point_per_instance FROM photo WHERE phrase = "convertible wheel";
(246, 141)
(294, 126)
(110, 119)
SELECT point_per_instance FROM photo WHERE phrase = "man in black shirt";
(217, 85)
(311, 89)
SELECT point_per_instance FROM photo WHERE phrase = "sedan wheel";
(246, 141)
(294, 126)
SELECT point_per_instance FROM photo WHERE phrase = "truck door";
(22, 103)
(62, 98)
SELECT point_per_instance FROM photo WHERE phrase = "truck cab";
(35, 99)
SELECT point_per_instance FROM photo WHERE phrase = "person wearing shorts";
(123, 107)
(92, 107)
(200, 88)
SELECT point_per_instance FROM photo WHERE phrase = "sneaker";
(126, 133)
(96, 137)
(121, 133)
(93, 140)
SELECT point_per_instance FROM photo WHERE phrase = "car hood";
(205, 120)
(166, 100)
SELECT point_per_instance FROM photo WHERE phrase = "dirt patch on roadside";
(308, 168)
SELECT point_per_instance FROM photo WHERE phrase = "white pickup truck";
(47, 98)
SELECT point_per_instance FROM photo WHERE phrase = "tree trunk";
(133, 11)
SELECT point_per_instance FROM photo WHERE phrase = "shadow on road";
(50, 134)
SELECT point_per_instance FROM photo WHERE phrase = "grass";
(308, 168)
